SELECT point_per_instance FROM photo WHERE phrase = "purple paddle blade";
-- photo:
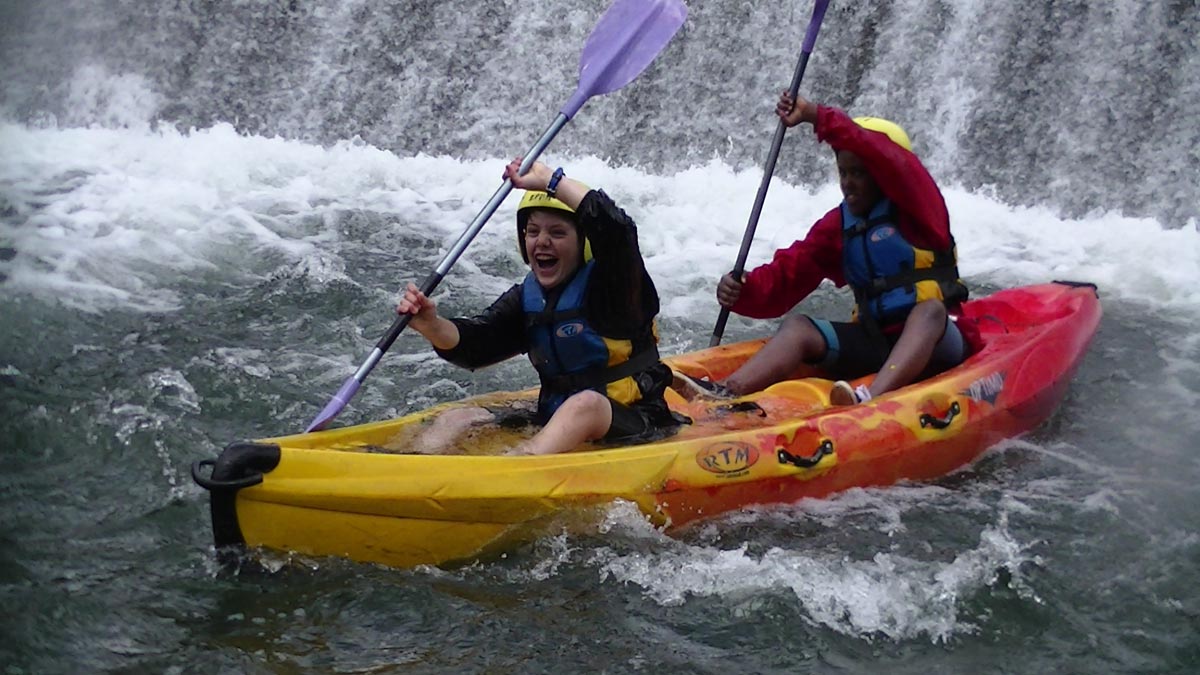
(814, 26)
(626, 39)
(335, 405)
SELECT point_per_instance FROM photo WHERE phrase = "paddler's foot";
(693, 388)
(843, 394)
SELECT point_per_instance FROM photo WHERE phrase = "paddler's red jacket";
(774, 288)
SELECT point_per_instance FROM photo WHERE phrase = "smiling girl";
(584, 314)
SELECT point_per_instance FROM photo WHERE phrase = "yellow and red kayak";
(355, 493)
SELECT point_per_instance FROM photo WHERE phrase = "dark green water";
(1072, 549)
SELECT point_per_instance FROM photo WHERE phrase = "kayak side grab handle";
(785, 457)
(942, 422)
(240, 465)
(213, 485)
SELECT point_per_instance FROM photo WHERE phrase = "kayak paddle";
(625, 40)
(810, 39)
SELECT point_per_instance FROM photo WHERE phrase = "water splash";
(895, 596)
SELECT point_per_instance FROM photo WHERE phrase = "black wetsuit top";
(621, 300)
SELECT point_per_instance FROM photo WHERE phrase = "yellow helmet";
(894, 131)
(537, 199)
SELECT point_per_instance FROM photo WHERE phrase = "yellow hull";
(329, 497)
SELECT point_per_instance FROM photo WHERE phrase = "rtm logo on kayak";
(986, 388)
(569, 330)
(727, 458)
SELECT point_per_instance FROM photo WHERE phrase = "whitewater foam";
(122, 217)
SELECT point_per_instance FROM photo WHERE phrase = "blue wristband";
(552, 186)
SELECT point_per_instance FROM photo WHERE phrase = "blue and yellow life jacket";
(888, 274)
(571, 356)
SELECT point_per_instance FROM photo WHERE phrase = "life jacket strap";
(598, 377)
(551, 316)
(943, 271)
(861, 227)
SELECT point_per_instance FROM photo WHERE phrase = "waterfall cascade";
(1079, 106)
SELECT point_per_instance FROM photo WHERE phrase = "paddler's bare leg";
(585, 416)
(447, 428)
(922, 330)
(797, 343)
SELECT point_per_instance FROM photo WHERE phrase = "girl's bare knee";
(933, 309)
(587, 411)
(804, 336)
(795, 325)
(929, 315)
(583, 402)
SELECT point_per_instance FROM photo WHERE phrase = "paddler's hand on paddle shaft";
(537, 178)
(569, 191)
(440, 332)
(793, 112)
(729, 289)
(422, 309)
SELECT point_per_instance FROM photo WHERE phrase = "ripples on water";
(1076, 538)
